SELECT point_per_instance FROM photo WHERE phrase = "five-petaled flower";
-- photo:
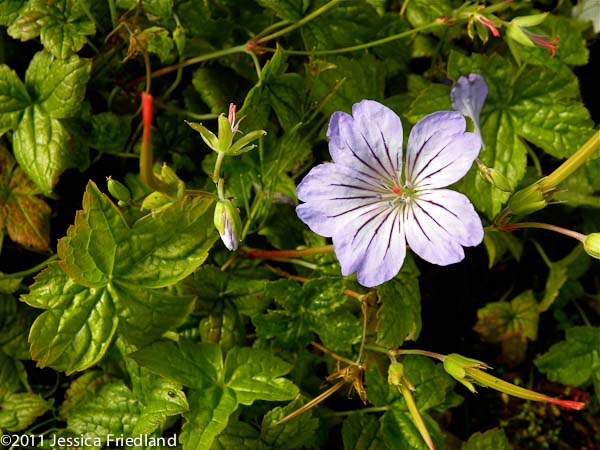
(371, 209)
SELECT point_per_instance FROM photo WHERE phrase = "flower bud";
(527, 201)
(118, 190)
(457, 366)
(591, 245)
(495, 178)
(395, 373)
(228, 223)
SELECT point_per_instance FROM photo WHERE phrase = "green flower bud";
(495, 178)
(118, 190)
(527, 201)
(228, 223)
(457, 365)
(591, 245)
(395, 373)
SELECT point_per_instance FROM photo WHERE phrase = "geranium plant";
(289, 224)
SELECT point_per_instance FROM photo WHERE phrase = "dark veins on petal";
(389, 212)
(416, 203)
(429, 162)
(384, 175)
(390, 175)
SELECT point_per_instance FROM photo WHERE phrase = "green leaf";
(237, 435)
(14, 98)
(575, 360)
(362, 432)
(256, 375)
(78, 327)
(15, 323)
(159, 250)
(113, 410)
(510, 323)
(164, 399)
(62, 25)
(25, 216)
(572, 49)
(400, 432)
(42, 146)
(157, 41)
(434, 389)
(10, 371)
(194, 365)
(535, 104)
(494, 439)
(340, 81)
(9, 11)
(290, 10)
(400, 313)
(57, 86)
(159, 8)
(209, 412)
(284, 92)
(497, 243)
(18, 410)
(423, 12)
(434, 97)
(295, 433)
(214, 87)
(109, 131)
(352, 22)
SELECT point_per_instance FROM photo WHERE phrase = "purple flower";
(468, 97)
(370, 210)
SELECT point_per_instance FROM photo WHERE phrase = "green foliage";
(136, 321)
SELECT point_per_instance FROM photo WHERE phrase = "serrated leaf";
(9, 374)
(510, 323)
(160, 249)
(164, 399)
(57, 86)
(14, 98)
(256, 375)
(43, 148)
(18, 410)
(62, 25)
(209, 412)
(194, 365)
(433, 386)
(494, 439)
(9, 11)
(284, 92)
(237, 435)
(351, 22)
(399, 318)
(79, 326)
(82, 389)
(157, 41)
(575, 360)
(25, 216)
(400, 432)
(109, 131)
(343, 81)
(15, 322)
(434, 97)
(290, 10)
(362, 432)
(293, 434)
(113, 410)
(539, 105)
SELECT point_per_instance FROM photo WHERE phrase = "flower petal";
(334, 196)
(373, 245)
(439, 223)
(370, 140)
(468, 97)
(440, 152)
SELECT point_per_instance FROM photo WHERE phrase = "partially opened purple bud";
(468, 97)
(372, 205)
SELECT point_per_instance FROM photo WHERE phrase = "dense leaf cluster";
(146, 324)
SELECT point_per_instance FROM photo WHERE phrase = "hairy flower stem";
(545, 226)
(572, 164)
